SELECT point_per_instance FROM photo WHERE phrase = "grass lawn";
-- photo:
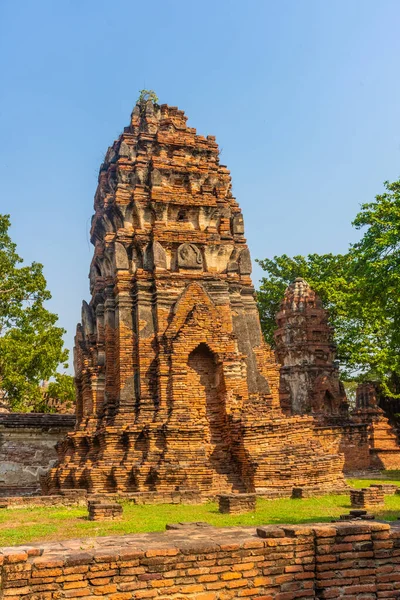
(24, 525)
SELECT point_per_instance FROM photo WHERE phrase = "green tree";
(31, 345)
(360, 289)
(146, 95)
(376, 266)
(61, 390)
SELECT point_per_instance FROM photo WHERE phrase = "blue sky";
(302, 95)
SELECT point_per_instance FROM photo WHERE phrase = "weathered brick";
(170, 283)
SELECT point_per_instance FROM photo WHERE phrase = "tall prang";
(305, 349)
(176, 389)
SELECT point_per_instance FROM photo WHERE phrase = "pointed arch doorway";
(206, 396)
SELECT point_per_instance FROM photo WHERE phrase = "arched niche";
(207, 404)
(136, 258)
(121, 257)
(88, 320)
(154, 256)
(159, 256)
(131, 217)
(94, 274)
(148, 262)
(105, 265)
(244, 261)
(149, 215)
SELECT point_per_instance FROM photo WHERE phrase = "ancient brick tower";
(383, 439)
(309, 376)
(176, 388)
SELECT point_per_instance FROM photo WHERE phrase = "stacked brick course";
(359, 560)
(235, 504)
(177, 390)
(383, 439)
(371, 497)
(101, 510)
(389, 489)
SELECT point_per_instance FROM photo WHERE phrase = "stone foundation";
(372, 497)
(236, 504)
(357, 560)
(81, 497)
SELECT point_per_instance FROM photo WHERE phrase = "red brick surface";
(177, 390)
(310, 384)
(359, 561)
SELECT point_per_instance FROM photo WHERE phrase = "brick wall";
(351, 440)
(353, 560)
(27, 449)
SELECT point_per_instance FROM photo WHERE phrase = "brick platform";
(355, 515)
(235, 504)
(359, 560)
(389, 489)
(372, 497)
(101, 510)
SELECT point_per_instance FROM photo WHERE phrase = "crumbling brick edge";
(354, 559)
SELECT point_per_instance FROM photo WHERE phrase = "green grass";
(361, 483)
(385, 477)
(24, 525)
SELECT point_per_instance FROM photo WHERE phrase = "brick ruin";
(357, 560)
(27, 449)
(310, 384)
(176, 389)
(236, 504)
(383, 438)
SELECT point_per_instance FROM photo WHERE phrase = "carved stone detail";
(238, 225)
(159, 256)
(189, 257)
(244, 261)
(121, 256)
(88, 319)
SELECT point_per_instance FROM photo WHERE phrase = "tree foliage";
(31, 345)
(60, 393)
(145, 95)
(360, 289)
